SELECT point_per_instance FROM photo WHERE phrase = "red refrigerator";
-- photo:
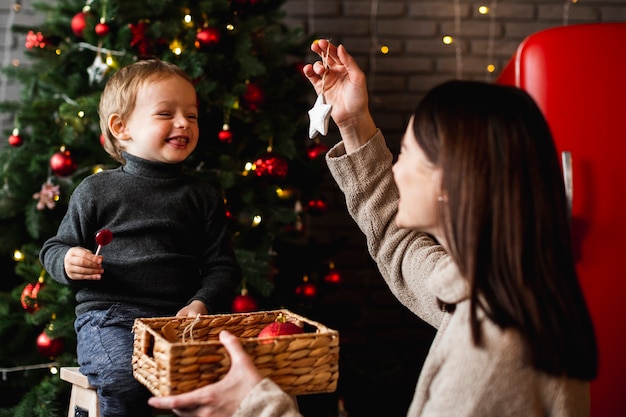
(577, 75)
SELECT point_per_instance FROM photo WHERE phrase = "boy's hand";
(192, 309)
(82, 264)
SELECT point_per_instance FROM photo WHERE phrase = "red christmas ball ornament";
(15, 139)
(62, 163)
(316, 207)
(279, 327)
(253, 97)
(307, 289)
(225, 135)
(316, 150)
(29, 297)
(102, 29)
(49, 347)
(333, 277)
(270, 164)
(78, 23)
(244, 303)
(207, 37)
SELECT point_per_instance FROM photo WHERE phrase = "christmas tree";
(246, 66)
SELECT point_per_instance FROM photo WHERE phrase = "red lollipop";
(103, 238)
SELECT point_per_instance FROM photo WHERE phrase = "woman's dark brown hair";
(506, 219)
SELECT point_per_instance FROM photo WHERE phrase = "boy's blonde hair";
(120, 94)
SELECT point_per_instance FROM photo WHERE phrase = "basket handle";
(147, 344)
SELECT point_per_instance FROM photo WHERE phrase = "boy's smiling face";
(163, 125)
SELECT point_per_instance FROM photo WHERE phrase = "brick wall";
(383, 345)
(11, 49)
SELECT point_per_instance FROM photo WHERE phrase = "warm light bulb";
(81, 114)
(447, 39)
(230, 27)
(54, 370)
(483, 9)
(18, 255)
(176, 47)
(256, 220)
(491, 68)
(384, 49)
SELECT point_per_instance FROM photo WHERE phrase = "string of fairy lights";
(454, 39)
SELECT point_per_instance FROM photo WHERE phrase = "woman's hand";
(221, 398)
(345, 88)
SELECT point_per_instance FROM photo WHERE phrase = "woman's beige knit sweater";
(458, 379)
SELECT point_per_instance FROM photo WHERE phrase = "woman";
(471, 234)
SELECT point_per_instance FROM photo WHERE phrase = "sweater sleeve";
(406, 259)
(267, 400)
(71, 233)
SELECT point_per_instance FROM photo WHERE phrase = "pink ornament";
(48, 196)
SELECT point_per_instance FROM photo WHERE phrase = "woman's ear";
(117, 126)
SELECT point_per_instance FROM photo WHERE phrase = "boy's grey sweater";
(170, 242)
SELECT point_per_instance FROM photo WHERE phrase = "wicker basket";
(175, 355)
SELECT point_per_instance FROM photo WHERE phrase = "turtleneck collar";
(151, 169)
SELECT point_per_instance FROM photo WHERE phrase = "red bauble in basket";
(279, 327)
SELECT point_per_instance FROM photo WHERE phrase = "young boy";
(170, 253)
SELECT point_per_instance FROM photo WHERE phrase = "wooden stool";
(83, 398)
